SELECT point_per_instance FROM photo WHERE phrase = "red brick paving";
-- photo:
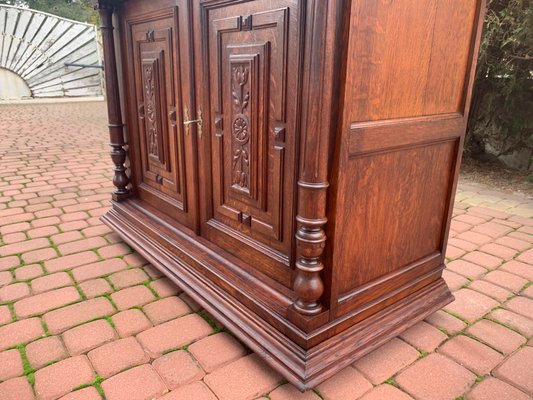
(492, 388)
(141, 382)
(435, 377)
(386, 392)
(10, 364)
(386, 361)
(16, 389)
(173, 334)
(83, 338)
(497, 336)
(117, 356)
(44, 351)
(216, 351)
(517, 370)
(61, 378)
(166, 309)
(424, 336)
(129, 336)
(178, 368)
(347, 384)
(471, 354)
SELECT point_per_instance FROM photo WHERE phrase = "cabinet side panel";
(413, 56)
(395, 210)
(409, 71)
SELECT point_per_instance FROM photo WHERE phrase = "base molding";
(303, 368)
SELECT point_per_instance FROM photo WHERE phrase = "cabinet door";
(160, 72)
(250, 71)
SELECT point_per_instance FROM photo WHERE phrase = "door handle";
(188, 122)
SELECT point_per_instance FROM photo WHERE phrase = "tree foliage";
(78, 10)
(503, 92)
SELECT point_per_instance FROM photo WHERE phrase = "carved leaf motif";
(245, 101)
(240, 128)
(240, 75)
(153, 143)
(236, 99)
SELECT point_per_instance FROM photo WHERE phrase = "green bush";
(78, 10)
(502, 102)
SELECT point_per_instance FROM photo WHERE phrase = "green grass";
(28, 369)
(210, 321)
(147, 284)
(391, 382)
(186, 347)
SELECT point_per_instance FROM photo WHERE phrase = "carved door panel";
(251, 81)
(159, 50)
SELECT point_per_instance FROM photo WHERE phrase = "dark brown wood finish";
(157, 47)
(249, 69)
(116, 127)
(294, 162)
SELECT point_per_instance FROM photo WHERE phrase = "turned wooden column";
(311, 240)
(313, 179)
(116, 126)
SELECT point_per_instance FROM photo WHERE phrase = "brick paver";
(216, 351)
(88, 336)
(517, 370)
(498, 336)
(173, 334)
(246, 378)
(135, 384)
(492, 388)
(386, 361)
(435, 377)
(43, 302)
(59, 379)
(386, 392)
(10, 364)
(79, 308)
(44, 351)
(117, 356)
(16, 389)
(347, 384)
(178, 368)
(471, 354)
(166, 309)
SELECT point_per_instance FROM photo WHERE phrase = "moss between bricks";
(25, 362)
(391, 382)
(456, 316)
(504, 325)
(210, 321)
(96, 383)
(186, 347)
(108, 297)
(422, 354)
(147, 284)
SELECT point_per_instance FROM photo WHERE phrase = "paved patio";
(82, 316)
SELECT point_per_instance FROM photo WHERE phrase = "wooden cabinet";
(291, 164)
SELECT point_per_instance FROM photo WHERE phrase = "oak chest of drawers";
(291, 164)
